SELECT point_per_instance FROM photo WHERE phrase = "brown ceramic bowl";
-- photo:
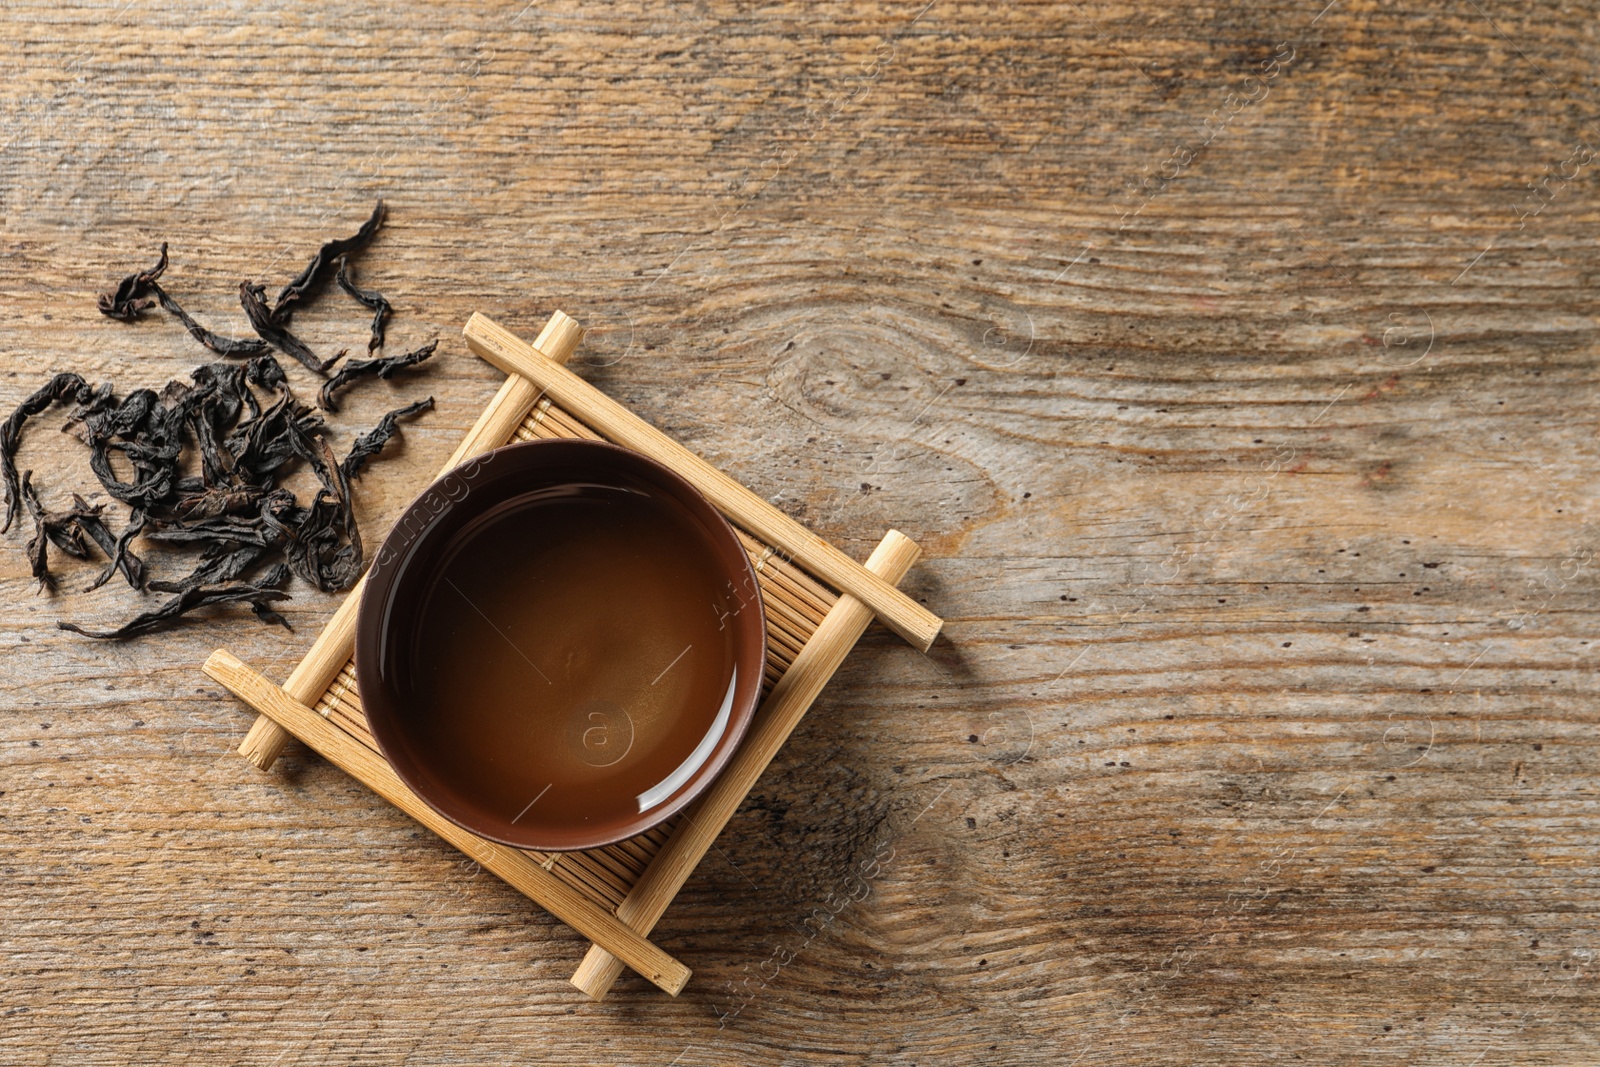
(476, 697)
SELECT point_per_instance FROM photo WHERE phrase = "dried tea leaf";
(266, 372)
(67, 530)
(245, 530)
(153, 449)
(222, 346)
(261, 445)
(314, 549)
(257, 596)
(222, 394)
(39, 544)
(267, 615)
(125, 301)
(100, 404)
(104, 416)
(368, 297)
(296, 290)
(383, 368)
(121, 557)
(219, 500)
(371, 443)
(199, 463)
(253, 299)
(62, 387)
(222, 562)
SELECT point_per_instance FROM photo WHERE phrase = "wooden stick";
(784, 707)
(332, 648)
(510, 353)
(563, 901)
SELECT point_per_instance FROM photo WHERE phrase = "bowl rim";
(447, 495)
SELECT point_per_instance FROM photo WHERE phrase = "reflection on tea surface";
(574, 663)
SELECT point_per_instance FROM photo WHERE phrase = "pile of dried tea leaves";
(203, 463)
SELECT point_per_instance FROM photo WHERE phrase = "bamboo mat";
(613, 894)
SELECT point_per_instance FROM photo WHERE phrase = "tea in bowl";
(560, 644)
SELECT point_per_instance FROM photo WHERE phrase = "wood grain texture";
(1246, 424)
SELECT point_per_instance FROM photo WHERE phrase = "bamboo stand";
(818, 603)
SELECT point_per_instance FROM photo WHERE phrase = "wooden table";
(1234, 366)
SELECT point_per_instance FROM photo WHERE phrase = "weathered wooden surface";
(1259, 499)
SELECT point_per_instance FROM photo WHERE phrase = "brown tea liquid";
(574, 663)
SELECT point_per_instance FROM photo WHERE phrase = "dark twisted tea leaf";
(199, 462)
(267, 373)
(100, 404)
(253, 300)
(62, 387)
(313, 535)
(223, 392)
(223, 561)
(246, 530)
(154, 450)
(371, 443)
(65, 530)
(68, 530)
(111, 418)
(296, 290)
(39, 544)
(267, 615)
(281, 519)
(121, 557)
(153, 473)
(257, 596)
(276, 575)
(273, 579)
(314, 550)
(220, 500)
(132, 414)
(370, 298)
(93, 526)
(384, 368)
(223, 346)
(125, 301)
(261, 445)
(221, 395)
